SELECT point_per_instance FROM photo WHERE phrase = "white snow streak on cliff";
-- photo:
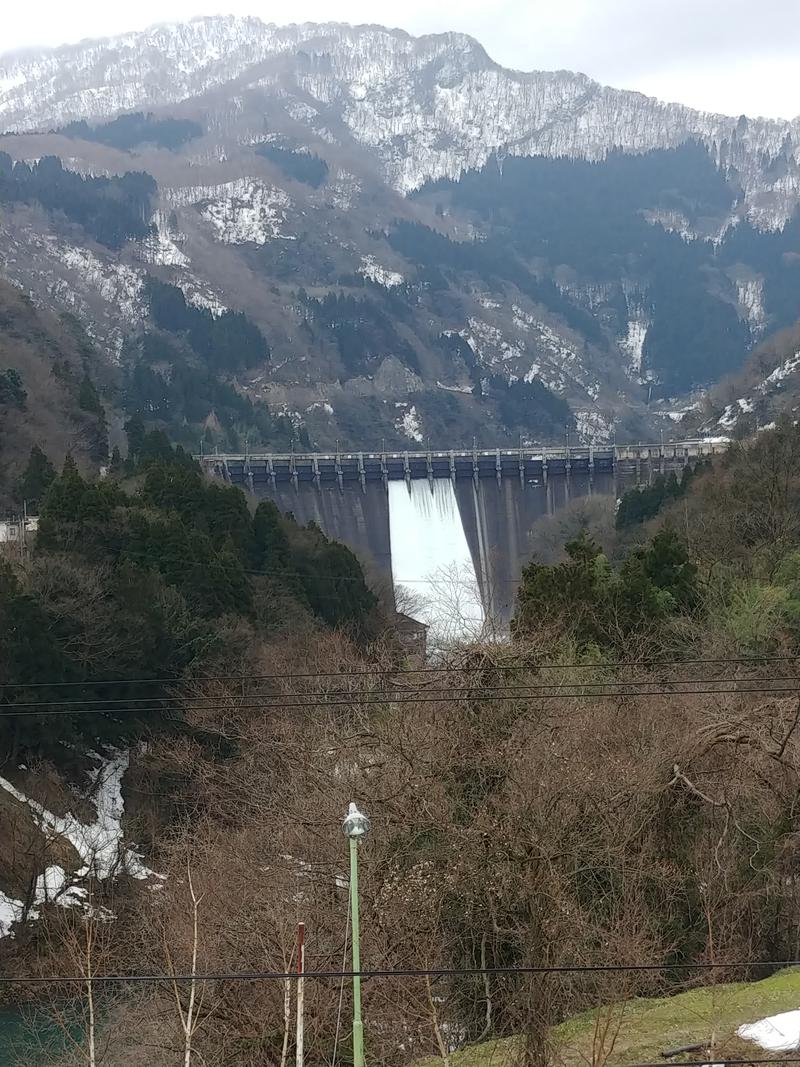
(430, 552)
(751, 300)
(633, 345)
(99, 844)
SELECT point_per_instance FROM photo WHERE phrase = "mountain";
(766, 390)
(322, 232)
(48, 395)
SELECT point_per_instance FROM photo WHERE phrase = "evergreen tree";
(135, 433)
(38, 476)
(12, 391)
(89, 398)
(115, 466)
(271, 550)
(89, 401)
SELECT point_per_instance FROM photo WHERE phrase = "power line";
(405, 972)
(478, 689)
(406, 699)
(401, 672)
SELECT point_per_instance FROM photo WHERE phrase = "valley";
(395, 443)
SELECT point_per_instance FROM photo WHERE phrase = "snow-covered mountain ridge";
(428, 244)
(430, 106)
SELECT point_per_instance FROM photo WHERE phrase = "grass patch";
(646, 1027)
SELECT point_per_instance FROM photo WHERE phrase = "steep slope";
(766, 390)
(567, 252)
(431, 106)
(44, 362)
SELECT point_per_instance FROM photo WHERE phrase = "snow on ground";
(343, 191)
(247, 211)
(161, 249)
(99, 844)
(408, 424)
(751, 300)
(633, 345)
(242, 211)
(776, 1033)
(116, 283)
(783, 371)
(370, 268)
(201, 296)
(672, 222)
(593, 427)
(744, 405)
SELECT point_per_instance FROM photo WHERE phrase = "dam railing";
(528, 464)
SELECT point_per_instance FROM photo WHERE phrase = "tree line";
(153, 571)
(110, 210)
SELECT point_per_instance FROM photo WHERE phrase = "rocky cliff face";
(318, 193)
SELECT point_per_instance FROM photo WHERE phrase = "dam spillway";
(433, 569)
(451, 530)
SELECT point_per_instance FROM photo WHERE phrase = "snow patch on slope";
(99, 844)
(633, 345)
(593, 427)
(371, 269)
(201, 296)
(246, 211)
(751, 301)
(744, 405)
(789, 366)
(161, 249)
(776, 1033)
(408, 424)
(116, 283)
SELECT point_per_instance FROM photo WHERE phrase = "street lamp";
(356, 826)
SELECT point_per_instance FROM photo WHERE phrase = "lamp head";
(356, 824)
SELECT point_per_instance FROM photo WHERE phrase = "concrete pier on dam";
(451, 528)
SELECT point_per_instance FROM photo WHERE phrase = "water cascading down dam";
(452, 529)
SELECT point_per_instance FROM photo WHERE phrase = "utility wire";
(402, 972)
(459, 668)
(477, 690)
(356, 700)
(419, 690)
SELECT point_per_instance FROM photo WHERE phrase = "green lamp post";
(356, 826)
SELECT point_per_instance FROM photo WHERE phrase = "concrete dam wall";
(451, 530)
(454, 549)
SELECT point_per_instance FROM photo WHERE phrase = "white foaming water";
(432, 561)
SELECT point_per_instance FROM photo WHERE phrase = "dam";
(451, 530)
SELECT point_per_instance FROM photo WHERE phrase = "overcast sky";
(732, 56)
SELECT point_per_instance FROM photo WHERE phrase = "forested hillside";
(48, 393)
(491, 270)
(152, 571)
(500, 837)
(615, 224)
